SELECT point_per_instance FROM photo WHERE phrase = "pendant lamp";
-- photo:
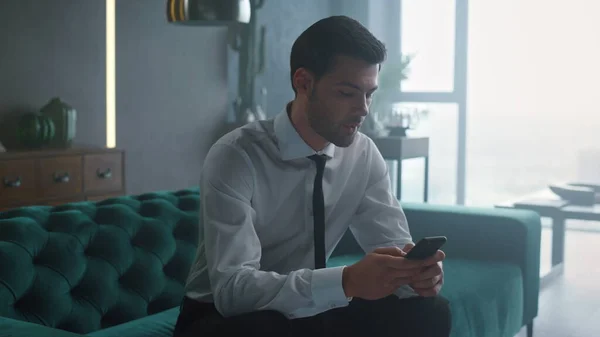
(208, 12)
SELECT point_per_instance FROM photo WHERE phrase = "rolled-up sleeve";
(233, 249)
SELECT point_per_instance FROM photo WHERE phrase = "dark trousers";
(390, 316)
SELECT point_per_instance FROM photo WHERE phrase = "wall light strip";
(111, 132)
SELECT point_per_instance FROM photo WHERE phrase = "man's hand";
(429, 281)
(379, 274)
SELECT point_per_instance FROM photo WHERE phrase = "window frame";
(389, 15)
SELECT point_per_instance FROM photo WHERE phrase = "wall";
(285, 21)
(172, 81)
(175, 89)
(171, 95)
(54, 48)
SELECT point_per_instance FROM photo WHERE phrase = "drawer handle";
(61, 178)
(12, 183)
(106, 174)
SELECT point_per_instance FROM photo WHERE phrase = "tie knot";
(320, 160)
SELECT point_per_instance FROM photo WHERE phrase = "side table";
(549, 205)
(402, 148)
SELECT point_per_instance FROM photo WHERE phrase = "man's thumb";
(393, 251)
(408, 247)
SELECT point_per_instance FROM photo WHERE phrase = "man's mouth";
(351, 127)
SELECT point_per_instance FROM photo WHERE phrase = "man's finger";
(426, 284)
(398, 282)
(408, 247)
(393, 251)
(411, 273)
(397, 262)
(437, 257)
(428, 272)
(429, 291)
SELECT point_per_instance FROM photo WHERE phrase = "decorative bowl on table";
(577, 193)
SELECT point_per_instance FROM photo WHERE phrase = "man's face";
(339, 101)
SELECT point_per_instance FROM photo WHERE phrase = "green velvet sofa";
(117, 267)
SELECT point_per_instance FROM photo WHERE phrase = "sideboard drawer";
(17, 180)
(60, 176)
(103, 172)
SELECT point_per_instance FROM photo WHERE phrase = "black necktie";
(319, 212)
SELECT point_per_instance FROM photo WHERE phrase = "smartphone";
(426, 247)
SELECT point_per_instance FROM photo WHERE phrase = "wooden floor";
(570, 306)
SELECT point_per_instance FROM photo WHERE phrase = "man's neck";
(298, 116)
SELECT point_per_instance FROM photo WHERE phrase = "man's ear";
(304, 81)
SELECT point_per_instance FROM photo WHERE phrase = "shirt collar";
(291, 145)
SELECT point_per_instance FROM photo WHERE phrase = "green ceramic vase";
(35, 130)
(65, 119)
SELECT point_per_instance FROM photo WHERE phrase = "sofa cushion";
(86, 266)
(157, 325)
(14, 328)
(486, 298)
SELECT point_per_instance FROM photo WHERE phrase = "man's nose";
(363, 107)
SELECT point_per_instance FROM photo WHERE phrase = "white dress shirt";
(256, 249)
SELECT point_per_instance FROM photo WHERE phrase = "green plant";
(392, 73)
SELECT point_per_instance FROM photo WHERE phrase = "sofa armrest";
(15, 328)
(488, 234)
(491, 234)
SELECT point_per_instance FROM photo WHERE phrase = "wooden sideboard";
(54, 177)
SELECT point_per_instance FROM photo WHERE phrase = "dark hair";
(316, 48)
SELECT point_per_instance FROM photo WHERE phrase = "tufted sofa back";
(86, 266)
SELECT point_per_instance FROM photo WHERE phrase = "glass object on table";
(440, 125)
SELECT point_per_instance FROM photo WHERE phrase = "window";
(533, 107)
(533, 111)
(427, 33)
(434, 33)
(440, 125)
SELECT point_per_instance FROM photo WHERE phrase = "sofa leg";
(530, 329)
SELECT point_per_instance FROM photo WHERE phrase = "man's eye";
(346, 94)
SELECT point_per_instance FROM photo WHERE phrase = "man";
(271, 188)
